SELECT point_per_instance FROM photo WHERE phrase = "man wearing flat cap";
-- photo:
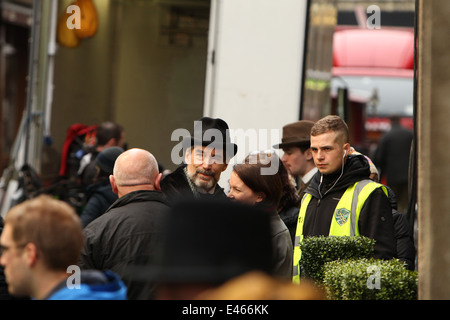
(297, 157)
(207, 153)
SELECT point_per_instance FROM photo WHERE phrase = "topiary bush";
(369, 279)
(316, 251)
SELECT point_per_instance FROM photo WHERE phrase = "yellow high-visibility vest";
(345, 217)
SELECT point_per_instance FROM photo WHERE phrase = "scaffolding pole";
(35, 123)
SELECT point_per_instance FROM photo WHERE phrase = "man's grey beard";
(201, 185)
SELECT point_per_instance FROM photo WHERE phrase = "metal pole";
(33, 60)
(52, 47)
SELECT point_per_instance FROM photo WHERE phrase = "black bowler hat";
(211, 241)
(213, 132)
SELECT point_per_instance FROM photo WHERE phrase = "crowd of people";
(145, 236)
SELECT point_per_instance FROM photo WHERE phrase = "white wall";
(255, 82)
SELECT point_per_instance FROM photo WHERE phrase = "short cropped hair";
(331, 123)
(52, 225)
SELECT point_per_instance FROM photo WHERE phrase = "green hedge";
(316, 251)
(345, 269)
(369, 279)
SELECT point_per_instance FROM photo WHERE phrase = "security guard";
(340, 200)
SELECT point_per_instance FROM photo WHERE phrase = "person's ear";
(113, 183)
(157, 183)
(308, 154)
(260, 196)
(346, 149)
(31, 254)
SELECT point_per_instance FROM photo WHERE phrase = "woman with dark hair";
(257, 182)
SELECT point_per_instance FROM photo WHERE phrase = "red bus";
(377, 68)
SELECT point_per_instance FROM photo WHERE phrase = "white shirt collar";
(307, 177)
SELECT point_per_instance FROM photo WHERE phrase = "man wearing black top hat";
(207, 153)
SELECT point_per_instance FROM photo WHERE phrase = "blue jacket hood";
(94, 285)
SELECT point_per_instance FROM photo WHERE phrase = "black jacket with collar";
(100, 197)
(375, 220)
(126, 235)
(175, 186)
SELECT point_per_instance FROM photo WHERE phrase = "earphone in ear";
(345, 153)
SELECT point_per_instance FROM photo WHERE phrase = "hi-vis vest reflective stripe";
(345, 217)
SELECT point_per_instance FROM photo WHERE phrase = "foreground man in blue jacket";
(40, 245)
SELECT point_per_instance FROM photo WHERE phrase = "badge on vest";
(341, 216)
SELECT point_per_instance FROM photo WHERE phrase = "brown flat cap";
(295, 133)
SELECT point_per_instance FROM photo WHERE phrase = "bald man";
(129, 231)
(135, 169)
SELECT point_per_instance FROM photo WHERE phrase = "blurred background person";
(100, 194)
(109, 134)
(392, 159)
